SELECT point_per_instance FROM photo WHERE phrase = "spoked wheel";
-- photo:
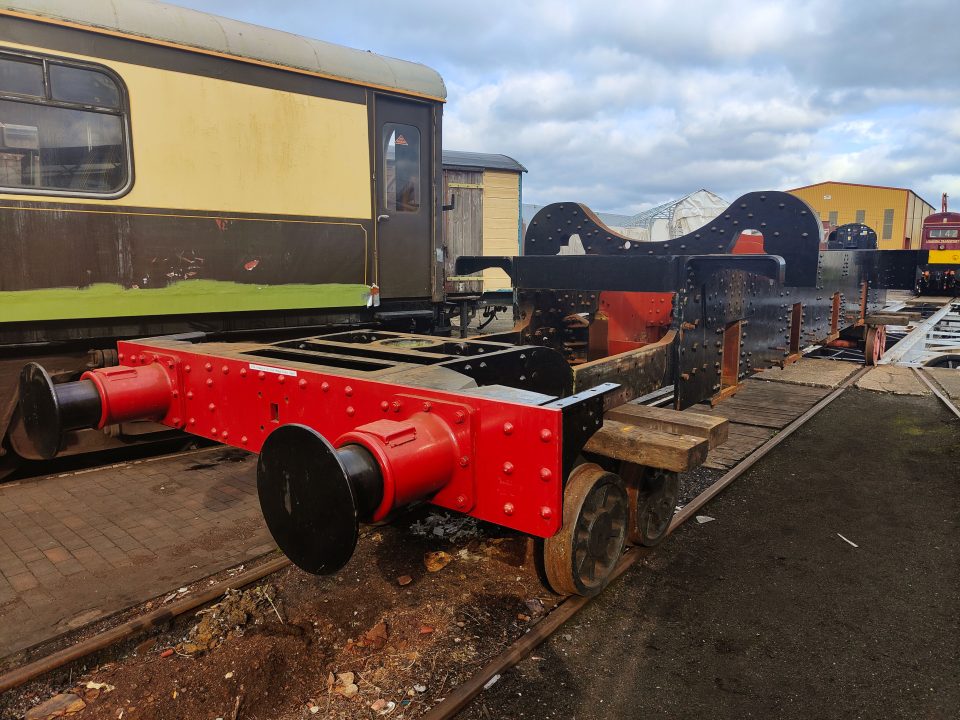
(874, 344)
(580, 559)
(653, 500)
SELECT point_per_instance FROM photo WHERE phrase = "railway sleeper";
(604, 510)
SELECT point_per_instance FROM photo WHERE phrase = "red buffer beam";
(349, 447)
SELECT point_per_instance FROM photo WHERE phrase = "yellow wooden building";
(487, 191)
(896, 214)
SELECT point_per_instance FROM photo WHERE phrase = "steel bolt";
(281, 379)
(459, 417)
(427, 407)
(119, 356)
(325, 386)
(209, 382)
(224, 434)
(302, 383)
(261, 374)
(243, 372)
(508, 508)
(208, 366)
(186, 368)
(193, 421)
(175, 393)
(211, 407)
(384, 405)
(546, 435)
(243, 440)
(177, 421)
(225, 369)
(350, 411)
(396, 405)
(508, 428)
(464, 461)
(213, 431)
(508, 468)
(545, 474)
(189, 394)
(546, 512)
(348, 391)
(461, 500)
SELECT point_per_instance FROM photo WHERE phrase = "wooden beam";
(714, 429)
(643, 446)
(893, 318)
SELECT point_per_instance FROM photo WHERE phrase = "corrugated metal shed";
(214, 34)
(896, 214)
(460, 160)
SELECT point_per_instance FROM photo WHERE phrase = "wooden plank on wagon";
(714, 429)
(643, 446)
(893, 318)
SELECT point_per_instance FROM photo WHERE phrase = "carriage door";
(403, 145)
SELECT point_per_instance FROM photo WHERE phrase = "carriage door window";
(401, 171)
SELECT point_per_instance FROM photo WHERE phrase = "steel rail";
(930, 383)
(917, 335)
(127, 629)
(523, 646)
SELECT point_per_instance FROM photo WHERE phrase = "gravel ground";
(766, 612)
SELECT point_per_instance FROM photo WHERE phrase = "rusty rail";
(521, 648)
(131, 627)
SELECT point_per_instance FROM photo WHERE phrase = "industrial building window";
(833, 218)
(887, 224)
(861, 216)
(401, 171)
(63, 128)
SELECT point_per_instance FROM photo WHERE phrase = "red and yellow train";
(941, 240)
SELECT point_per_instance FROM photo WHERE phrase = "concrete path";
(818, 372)
(78, 547)
(895, 379)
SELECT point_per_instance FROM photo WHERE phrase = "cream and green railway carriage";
(163, 170)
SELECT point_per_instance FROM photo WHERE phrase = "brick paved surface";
(82, 546)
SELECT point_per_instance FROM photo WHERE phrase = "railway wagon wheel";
(874, 344)
(580, 559)
(653, 494)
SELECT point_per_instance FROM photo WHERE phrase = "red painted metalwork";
(129, 393)
(493, 459)
(635, 319)
(417, 457)
(748, 244)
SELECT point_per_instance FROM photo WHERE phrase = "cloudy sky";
(624, 104)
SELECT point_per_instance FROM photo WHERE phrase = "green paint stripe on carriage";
(181, 298)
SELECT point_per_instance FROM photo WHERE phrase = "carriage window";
(401, 171)
(22, 78)
(55, 142)
(80, 85)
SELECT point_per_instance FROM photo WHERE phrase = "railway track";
(465, 692)
(524, 646)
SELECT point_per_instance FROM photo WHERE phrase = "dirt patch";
(406, 644)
